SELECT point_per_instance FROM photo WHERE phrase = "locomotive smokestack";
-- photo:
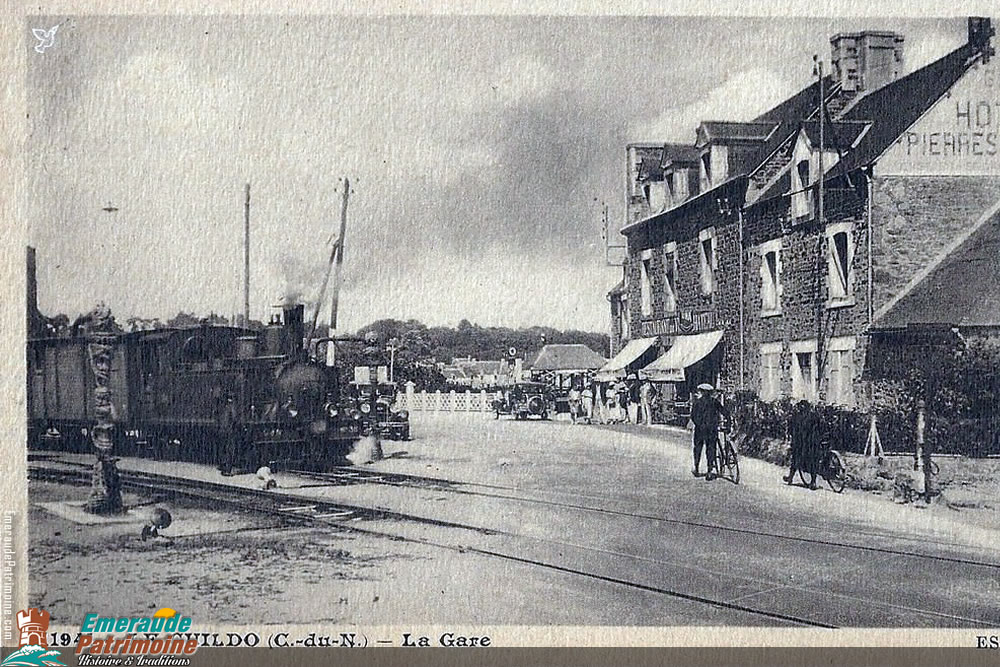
(293, 317)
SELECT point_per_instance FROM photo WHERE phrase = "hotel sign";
(681, 323)
(958, 136)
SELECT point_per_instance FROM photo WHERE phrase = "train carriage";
(173, 390)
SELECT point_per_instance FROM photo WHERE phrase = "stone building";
(795, 234)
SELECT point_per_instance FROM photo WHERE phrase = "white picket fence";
(452, 401)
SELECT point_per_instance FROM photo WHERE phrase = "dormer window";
(707, 259)
(670, 277)
(770, 278)
(840, 261)
(706, 170)
(802, 200)
(646, 282)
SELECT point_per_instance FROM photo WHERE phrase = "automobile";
(525, 399)
(392, 424)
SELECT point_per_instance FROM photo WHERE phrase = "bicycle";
(726, 458)
(832, 469)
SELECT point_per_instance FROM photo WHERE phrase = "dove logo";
(46, 38)
(33, 647)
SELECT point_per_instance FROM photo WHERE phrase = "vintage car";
(524, 399)
(392, 424)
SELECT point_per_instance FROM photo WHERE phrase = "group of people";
(808, 447)
(629, 400)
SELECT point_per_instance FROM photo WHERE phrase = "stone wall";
(917, 217)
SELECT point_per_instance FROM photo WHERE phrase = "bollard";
(925, 453)
(918, 455)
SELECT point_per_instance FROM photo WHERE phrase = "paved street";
(760, 544)
(593, 525)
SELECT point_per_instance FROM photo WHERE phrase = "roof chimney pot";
(866, 61)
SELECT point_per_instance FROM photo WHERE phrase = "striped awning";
(686, 351)
(617, 367)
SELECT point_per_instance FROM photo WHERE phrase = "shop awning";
(686, 351)
(617, 366)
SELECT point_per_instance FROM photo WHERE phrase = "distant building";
(477, 374)
(736, 277)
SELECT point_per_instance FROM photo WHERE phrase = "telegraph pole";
(246, 258)
(340, 257)
(820, 234)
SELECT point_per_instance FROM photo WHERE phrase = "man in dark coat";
(226, 430)
(706, 413)
(804, 429)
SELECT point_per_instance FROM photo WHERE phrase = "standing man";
(647, 393)
(804, 427)
(633, 399)
(587, 396)
(706, 413)
(574, 401)
(621, 392)
(227, 423)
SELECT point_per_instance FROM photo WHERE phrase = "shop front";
(688, 361)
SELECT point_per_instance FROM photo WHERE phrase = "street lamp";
(373, 355)
(396, 344)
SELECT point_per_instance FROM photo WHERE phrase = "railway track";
(346, 517)
(467, 538)
(355, 476)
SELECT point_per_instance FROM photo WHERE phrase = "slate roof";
(842, 134)
(961, 289)
(452, 373)
(887, 112)
(896, 106)
(489, 367)
(800, 105)
(723, 131)
(649, 167)
(679, 154)
(567, 357)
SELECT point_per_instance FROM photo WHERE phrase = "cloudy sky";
(479, 151)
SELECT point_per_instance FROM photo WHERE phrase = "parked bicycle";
(727, 461)
(831, 468)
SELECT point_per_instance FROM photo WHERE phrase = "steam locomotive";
(205, 393)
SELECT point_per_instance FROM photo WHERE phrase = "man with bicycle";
(706, 414)
(807, 445)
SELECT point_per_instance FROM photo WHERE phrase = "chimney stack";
(980, 32)
(866, 61)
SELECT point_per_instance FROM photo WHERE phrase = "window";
(770, 371)
(706, 169)
(623, 312)
(840, 372)
(706, 251)
(670, 277)
(803, 370)
(680, 181)
(840, 257)
(657, 196)
(802, 197)
(645, 283)
(770, 278)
